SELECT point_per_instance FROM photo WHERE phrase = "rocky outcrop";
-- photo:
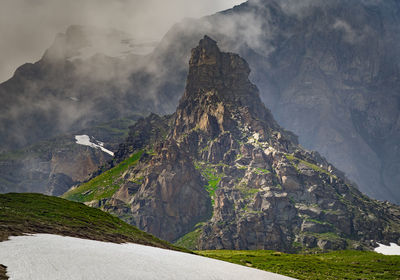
(227, 170)
(144, 132)
(3, 272)
(172, 198)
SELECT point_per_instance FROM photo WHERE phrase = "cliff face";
(228, 175)
(329, 71)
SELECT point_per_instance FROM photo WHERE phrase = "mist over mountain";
(329, 71)
(221, 173)
(27, 28)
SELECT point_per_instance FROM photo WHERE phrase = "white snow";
(46, 256)
(392, 249)
(74, 98)
(85, 140)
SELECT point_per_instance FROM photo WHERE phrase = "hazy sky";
(28, 27)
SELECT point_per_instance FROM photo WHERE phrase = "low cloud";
(28, 27)
(350, 35)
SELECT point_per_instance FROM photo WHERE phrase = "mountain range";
(329, 72)
(222, 173)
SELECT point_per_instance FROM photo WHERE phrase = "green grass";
(104, 185)
(209, 172)
(261, 171)
(246, 191)
(37, 213)
(189, 240)
(310, 165)
(318, 222)
(334, 265)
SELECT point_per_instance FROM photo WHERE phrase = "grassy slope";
(37, 213)
(333, 265)
(104, 185)
(189, 240)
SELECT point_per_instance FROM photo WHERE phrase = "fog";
(28, 27)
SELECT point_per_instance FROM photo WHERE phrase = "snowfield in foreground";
(392, 249)
(46, 256)
(85, 141)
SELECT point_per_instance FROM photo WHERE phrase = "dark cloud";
(28, 27)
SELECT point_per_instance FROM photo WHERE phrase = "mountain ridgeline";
(220, 173)
(328, 70)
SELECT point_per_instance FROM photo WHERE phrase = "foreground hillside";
(36, 213)
(333, 265)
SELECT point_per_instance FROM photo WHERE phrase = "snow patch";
(46, 256)
(85, 141)
(74, 98)
(392, 249)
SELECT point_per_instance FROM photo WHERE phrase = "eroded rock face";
(228, 170)
(50, 169)
(171, 199)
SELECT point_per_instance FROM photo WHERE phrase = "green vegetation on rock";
(210, 173)
(37, 213)
(314, 167)
(334, 265)
(189, 240)
(246, 190)
(261, 171)
(118, 128)
(104, 185)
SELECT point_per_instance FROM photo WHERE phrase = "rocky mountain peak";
(219, 96)
(211, 69)
(221, 170)
(206, 53)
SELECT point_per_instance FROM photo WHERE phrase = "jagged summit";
(225, 73)
(219, 94)
(207, 59)
(221, 170)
